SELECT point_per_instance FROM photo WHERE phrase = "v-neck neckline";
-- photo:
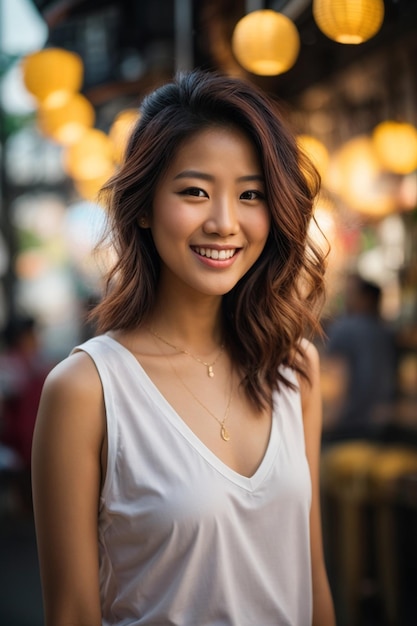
(250, 483)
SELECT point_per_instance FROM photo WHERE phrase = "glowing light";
(52, 74)
(266, 42)
(120, 131)
(316, 151)
(91, 157)
(349, 21)
(355, 174)
(396, 146)
(67, 122)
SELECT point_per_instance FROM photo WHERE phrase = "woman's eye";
(194, 191)
(252, 194)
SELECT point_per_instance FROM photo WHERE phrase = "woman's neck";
(195, 324)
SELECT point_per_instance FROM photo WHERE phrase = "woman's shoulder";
(71, 409)
(79, 371)
(75, 377)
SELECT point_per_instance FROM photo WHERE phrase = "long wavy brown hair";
(279, 299)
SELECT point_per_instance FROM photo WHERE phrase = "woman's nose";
(223, 218)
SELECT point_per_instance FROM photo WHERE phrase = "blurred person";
(360, 365)
(22, 373)
(176, 454)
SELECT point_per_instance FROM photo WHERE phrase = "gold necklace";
(224, 433)
(209, 366)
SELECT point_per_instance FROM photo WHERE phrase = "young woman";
(175, 461)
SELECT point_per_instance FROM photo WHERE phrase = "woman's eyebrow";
(204, 176)
(194, 174)
(251, 177)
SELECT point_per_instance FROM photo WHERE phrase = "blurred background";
(73, 73)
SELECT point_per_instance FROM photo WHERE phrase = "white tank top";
(184, 539)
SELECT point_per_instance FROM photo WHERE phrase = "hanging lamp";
(52, 75)
(396, 146)
(316, 151)
(91, 157)
(67, 123)
(349, 21)
(266, 43)
(89, 189)
(356, 176)
(121, 129)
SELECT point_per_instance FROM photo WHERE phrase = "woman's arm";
(323, 612)
(66, 474)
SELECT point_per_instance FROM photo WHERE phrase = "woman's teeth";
(211, 253)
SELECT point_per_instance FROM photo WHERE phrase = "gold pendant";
(210, 372)
(224, 433)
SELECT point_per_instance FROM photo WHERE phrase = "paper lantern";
(349, 21)
(355, 174)
(52, 74)
(396, 146)
(91, 157)
(266, 42)
(67, 123)
(88, 189)
(316, 151)
(121, 130)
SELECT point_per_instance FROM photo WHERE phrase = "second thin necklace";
(224, 433)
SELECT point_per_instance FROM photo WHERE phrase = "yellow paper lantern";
(355, 174)
(88, 189)
(67, 123)
(396, 146)
(91, 157)
(121, 130)
(52, 74)
(266, 42)
(349, 21)
(316, 151)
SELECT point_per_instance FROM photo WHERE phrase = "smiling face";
(210, 221)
